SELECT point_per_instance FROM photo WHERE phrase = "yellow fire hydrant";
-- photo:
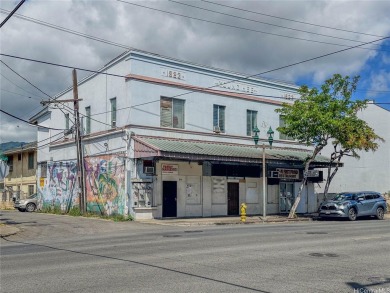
(243, 212)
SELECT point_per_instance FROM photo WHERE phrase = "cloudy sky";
(244, 36)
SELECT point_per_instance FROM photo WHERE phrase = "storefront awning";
(196, 150)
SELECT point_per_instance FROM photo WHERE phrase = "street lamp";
(270, 133)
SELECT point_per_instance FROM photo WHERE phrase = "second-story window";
(67, 121)
(113, 112)
(30, 161)
(251, 121)
(172, 113)
(87, 120)
(219, 118)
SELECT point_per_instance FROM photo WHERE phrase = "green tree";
(319, 116)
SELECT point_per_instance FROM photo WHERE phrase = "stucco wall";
(372, 170)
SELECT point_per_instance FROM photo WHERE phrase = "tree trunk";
(327, 182)
(330, 178)
(291, 215)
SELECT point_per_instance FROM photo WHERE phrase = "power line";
(58, 139)
(32, 94)
(24, 79)
(238, 79)
(57, 27)
(242, 28)
(266, 23)
(12, 12)
(36, 125)
(293, 20)
(19, 94)
(129, 47)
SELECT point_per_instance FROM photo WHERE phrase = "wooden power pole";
(79, 150)
(80, 157)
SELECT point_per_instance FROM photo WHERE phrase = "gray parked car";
(29, 204)
(354, 204)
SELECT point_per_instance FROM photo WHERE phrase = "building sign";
(173, 74)
(170, 169)
(235, 86)
(313, 173)
(288, 96)
(288, 173)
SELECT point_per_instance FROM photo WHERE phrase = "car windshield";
(344, 196)
(32, 196)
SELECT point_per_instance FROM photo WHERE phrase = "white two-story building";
(167, 138)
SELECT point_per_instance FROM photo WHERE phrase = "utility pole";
(80, 157)
(79, 150)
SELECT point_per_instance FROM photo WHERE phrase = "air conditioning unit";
(274, 174)
(149, 170)
(216, 129)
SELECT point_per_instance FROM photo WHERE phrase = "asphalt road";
(67, 254)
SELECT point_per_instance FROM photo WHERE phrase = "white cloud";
(188, 39)
(380, 81)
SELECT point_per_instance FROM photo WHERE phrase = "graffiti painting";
(105, 185)
(61, 188)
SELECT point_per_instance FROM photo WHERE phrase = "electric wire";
(188, 92)
(57, 27)
(58, 139)
(292, 20)
(35, 125)
(30, 83)
(247, 29)
(11, 13)
(129, 47)
(25, 79)
(32, 94)
(266, 23)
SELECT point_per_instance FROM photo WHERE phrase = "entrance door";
(169, 207)
(286, 196)
(233, 198)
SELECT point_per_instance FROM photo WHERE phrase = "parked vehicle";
(29, 204)
(354, 204)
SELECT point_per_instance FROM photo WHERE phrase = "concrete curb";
(7, 230)
(220, 221)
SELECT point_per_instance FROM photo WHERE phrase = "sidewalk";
(225, 220)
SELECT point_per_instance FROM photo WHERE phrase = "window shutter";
(178, 114)
(215, 115)
(248, 123)
(222, 118)
(166, 112)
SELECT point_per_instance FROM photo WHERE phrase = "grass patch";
(75, 212)
(52, 210)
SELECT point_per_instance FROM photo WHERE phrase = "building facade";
(21, 180)
(167, 138)
(372, 170)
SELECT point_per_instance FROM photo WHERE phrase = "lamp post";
(270, 133)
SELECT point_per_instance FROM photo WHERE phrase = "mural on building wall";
(105, 185)
(60, 189)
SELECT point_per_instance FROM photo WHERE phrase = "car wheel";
(380, 213)
(352, 214)
(30, 207)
